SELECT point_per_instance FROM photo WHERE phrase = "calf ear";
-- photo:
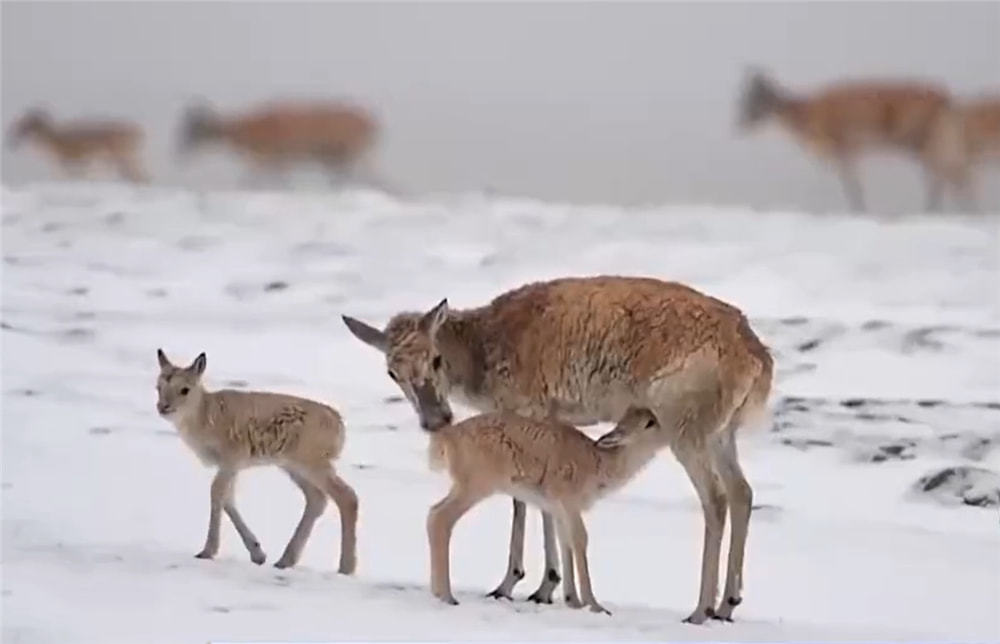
(433, 319)
(162, 359)
(199, 364)
(367, 334)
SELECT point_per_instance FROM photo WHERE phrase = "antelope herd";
(840, 123)
(950, 138)
(674, 368)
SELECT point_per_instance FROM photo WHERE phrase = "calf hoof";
(284, 563)
(205, 554)
(258, 557)
(499, 593)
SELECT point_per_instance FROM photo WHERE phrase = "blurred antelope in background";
(234, 430)
(75, 145)
(979, 123)
(586, 350)
(544, 462)
(845, 121)
(276, 136)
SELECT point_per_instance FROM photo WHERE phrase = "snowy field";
(886, 334)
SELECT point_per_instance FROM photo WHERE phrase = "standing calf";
(585, 350)
(234, 430)
(75, 144)
(847, 120)
(544, 462)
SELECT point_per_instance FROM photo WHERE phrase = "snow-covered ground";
(886, 333)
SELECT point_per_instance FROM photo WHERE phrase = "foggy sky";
(583, 102)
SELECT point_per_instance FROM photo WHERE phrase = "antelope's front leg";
(221, 485)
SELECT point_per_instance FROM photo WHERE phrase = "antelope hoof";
(258, 557)
(574, 602)
(700, 615)
(499, 593)
(597, 608)
(347, 567)
(724, 612)
(205, 554)
(540, 598)
(451, 601)
(284, 563)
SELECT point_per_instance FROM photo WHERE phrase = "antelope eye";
(436, 363)
(392, 374)
(650, 423)
(184, 391)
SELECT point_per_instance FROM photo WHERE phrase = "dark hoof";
(499, 594)
(540, 599)
(258, 558)
(721, 618)
(283, 564)
(203, 555)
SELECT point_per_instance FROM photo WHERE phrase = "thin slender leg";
(551, 579)
(578, 536)
(740, 497)
(219, 492)
(713, 503)
(515, 557)
(569, 577)
(851, 183)
(315, 505)
(440, 522)
(343, 495)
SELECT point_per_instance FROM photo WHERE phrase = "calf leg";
(315, 505)
(440, 522)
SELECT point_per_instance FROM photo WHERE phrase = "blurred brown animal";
(844, 121)
(544, 462)
(234, 430)
(76, 144)
(981, 127)
(586, 350)
(272, 137)
(979, 123)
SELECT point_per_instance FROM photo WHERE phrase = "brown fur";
(276, 135)
(585, 350)
(73, 145)
(545, 462)
(233, 430)
(844, 121)
(981, 128)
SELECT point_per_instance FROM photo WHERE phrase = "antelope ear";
(199, 364)
(367, 334)
(162, 359)
(433, 319)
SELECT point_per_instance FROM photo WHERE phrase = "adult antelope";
(585, 350)
(75, 144)
(275, 136)
(844, 121)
